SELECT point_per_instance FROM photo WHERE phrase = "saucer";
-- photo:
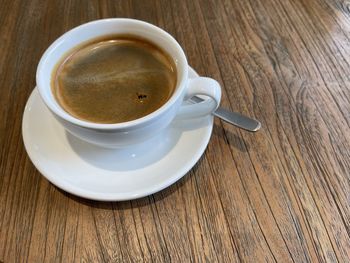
(97, 173)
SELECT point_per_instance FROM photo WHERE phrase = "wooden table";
(281, 194)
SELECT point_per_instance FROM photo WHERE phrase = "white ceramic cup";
(135, 131)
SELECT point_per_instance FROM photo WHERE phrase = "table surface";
(281, 194)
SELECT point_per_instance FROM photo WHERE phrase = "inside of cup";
(87, 32)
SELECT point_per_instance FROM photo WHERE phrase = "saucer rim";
(98, 196)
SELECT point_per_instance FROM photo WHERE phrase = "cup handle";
(200, 86)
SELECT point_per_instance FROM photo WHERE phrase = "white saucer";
(97, 173)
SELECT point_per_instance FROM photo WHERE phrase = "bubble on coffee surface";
(115, 81)
(141, 97)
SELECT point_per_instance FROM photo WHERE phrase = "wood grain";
(279, 195)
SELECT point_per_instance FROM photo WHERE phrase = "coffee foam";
(114, 80)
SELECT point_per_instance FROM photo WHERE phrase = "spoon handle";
(234, 118)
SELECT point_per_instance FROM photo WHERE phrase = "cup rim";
(111, 126)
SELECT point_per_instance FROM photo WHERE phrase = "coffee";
(114, 79)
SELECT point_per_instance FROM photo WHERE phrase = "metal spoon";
(234, 118)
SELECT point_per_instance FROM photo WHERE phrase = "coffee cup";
(124, 134)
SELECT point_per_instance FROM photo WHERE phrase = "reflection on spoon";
(234, 118)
